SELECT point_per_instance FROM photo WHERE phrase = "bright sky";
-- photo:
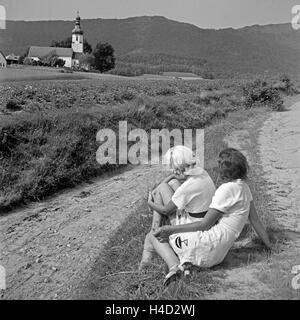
(203, 13)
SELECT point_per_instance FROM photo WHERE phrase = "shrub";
(260, 92)
(165, 91)
(27, 61)
(127, 95)
(86, 61)
(210, 96)
(13, 105)
(207, 75)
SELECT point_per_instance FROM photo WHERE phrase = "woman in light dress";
(206, 221)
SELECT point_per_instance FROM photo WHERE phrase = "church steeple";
(77, 29)
(77, 36)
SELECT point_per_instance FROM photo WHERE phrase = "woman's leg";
(162, 195)
(174, 184)
(156, 218)
(165, 251)
(147, 251)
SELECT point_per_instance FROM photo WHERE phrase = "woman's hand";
(179, 176)
(163, 233)
(273, 247)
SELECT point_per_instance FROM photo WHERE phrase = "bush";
(261, 93)
(86, 61)
(27, 61)
(13, 105)
(167, 91)
(127, 95)
(207, 75)
(211, 96)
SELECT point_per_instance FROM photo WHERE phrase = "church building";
(77, 42)
(71, 56)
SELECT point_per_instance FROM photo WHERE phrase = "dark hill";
(274, 48)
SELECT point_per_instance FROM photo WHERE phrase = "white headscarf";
(182, 158)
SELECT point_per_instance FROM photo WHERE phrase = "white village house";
(71, 56)
(12, 59)
(3, 62)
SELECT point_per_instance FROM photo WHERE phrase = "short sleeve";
(249, 194)
(223, 199)
(183, 195)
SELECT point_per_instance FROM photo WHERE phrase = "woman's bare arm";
(166, 210)
(206, 223)
(169, 178)
(211, 217)
(257, 225)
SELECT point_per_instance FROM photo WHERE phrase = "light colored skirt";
(201, 248)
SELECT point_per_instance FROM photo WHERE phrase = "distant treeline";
(136, 64)
(140, 62)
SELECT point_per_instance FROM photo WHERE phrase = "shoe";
(187, 270)
(174, 273)
(187, 273)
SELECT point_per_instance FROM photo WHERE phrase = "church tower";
(77, 36)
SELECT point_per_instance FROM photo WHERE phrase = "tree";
(287, 83)
(87, 48)
(23, 56)
(27, 61)
(52, 60)
(59, 63)
(67, 43)
(104, 57)
(86, 61)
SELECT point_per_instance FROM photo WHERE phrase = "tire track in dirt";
(48, 247)
(280, 156)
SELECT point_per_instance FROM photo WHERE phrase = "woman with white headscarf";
(206, 242)
(183, 197)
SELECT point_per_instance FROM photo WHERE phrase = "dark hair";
(232, 165)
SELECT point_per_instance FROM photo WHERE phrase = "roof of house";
(12, 56)
(43, 51)
(1, 53)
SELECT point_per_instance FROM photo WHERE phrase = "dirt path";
(49, 247)
(280, 156)
(276, 149)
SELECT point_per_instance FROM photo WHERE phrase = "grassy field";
(17, 73)
(48, 128)
(22, 73)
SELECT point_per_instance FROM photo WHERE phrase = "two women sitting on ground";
(193, 223)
